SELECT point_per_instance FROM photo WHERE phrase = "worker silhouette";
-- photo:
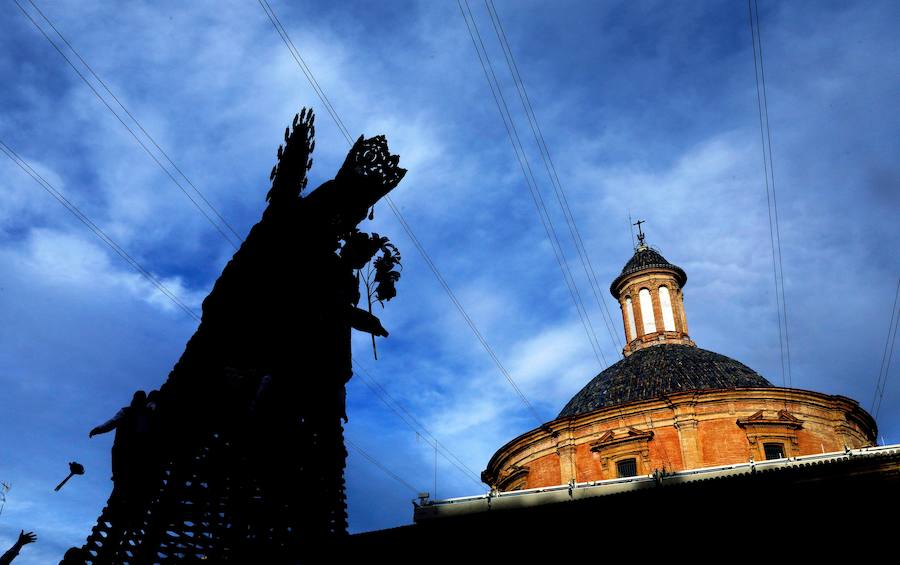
(132, 450)
(75, 556)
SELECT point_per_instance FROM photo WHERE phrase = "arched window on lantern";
(665, 304)
(647, 311)
(629, 312)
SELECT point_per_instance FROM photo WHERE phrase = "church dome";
(660, 370)
(670, 405)
(645, 258)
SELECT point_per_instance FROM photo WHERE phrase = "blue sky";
(646, 106)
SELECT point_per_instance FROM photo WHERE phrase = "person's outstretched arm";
(106, 426)
(24, 539)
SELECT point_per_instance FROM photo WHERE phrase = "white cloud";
(83, 266)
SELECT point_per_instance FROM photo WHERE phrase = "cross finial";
(641, 235)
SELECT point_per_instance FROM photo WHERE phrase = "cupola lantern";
(649, 291)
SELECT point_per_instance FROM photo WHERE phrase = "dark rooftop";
(646, 258)
(658, 370)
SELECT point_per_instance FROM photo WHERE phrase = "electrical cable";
(295, 53)
(553, 174)
(459, 307)
(886, 357)
(413, 423)
(774, 232)
(135, 120)
(762, 72)
(530, 180)
(378, 464)
(83, 218)
(130, 130)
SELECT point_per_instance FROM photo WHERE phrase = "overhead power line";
(462, 311)
(886, 357)
(282, 32)
(414, 424)
(83, 218)
(765, 133)
(762, 71)
(216, 224)
(378, 464)
(295, 53)
(553, 176)
(530, 181)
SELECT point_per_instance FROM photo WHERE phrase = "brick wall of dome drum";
(684, 430)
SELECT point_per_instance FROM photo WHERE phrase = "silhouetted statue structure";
(247, 451)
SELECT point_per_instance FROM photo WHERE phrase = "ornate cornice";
(609, 439)
(784, 419)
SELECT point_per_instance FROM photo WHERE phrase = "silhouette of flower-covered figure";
(249, 454)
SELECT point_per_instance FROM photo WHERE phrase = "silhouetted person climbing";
(24, 539)
(153, 446)
(74, 556)
(131, 446)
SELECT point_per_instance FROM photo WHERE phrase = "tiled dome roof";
(646, 258)
(656, 371)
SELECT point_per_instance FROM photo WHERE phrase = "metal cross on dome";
(641, 235)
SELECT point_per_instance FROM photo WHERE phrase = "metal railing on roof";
(434, 509)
